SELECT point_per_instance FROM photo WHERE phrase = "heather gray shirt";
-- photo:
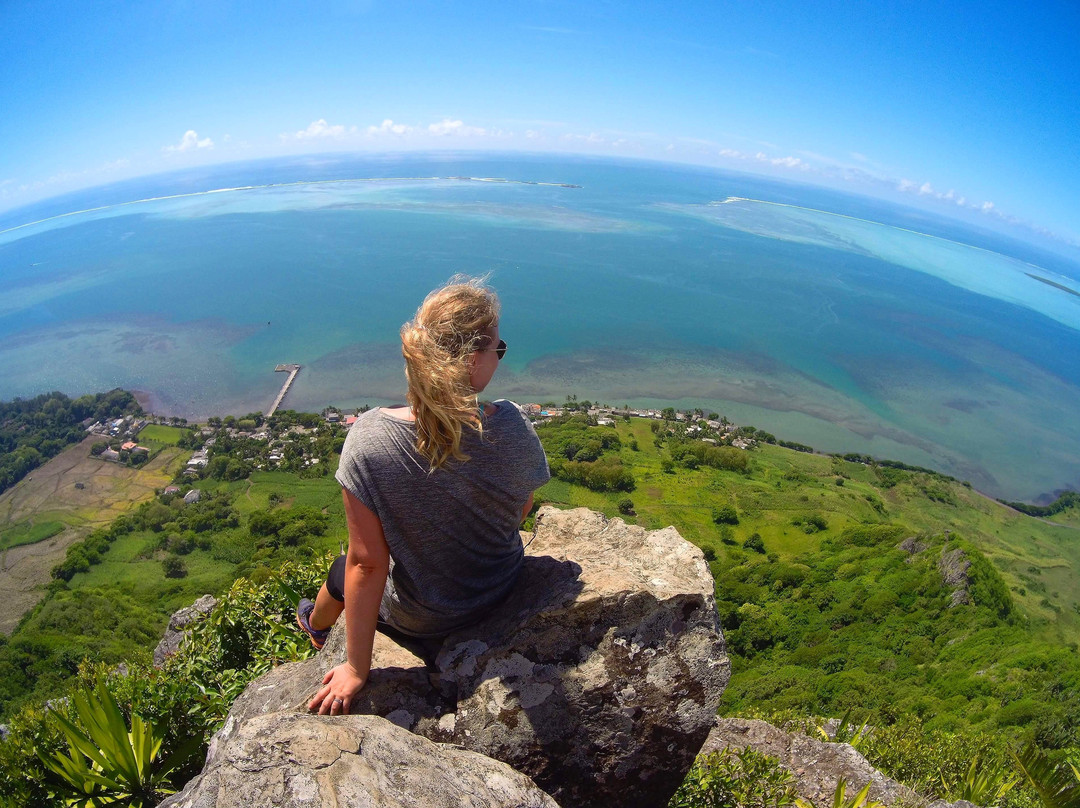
(453, 534)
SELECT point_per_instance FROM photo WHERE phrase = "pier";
(292, 371)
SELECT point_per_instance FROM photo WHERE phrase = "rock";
(954, 566)
(598, 677)
(817, 766)
(912, 546)
(288, 760)
(174, 634)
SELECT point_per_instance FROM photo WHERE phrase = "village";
(231, 448)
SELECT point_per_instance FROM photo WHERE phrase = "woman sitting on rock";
(434, 495)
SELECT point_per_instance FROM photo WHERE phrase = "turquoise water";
(832, 320)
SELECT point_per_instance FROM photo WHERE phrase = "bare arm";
(527, 508)
(366, 566)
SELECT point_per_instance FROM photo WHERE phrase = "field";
(45, 512)
(134, 564)
(168, 435)
(1036, 558)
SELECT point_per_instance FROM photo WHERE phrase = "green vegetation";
(946, 620)
(106, 763)
(823, 611)
(36, 429)
(736, 777)
(29, 532)
(176, 708)
(118, 587)
(167, 435)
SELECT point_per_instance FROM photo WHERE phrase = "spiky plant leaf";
(1057, 786)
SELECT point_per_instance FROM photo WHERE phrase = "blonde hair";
(437, 343)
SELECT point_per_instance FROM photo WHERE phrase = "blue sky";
(969, 108)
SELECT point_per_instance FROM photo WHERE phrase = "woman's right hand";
(340, 685)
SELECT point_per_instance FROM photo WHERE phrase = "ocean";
(832, 320)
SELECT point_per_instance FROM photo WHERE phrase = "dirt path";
(50, 493)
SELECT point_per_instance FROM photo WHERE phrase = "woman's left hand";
(340, 685)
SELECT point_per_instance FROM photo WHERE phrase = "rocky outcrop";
(912, 545)
(599, 676)
(174, 634)
(954, 566)
(287, 760)
(817, 766)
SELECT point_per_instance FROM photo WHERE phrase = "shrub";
(174, 567)
(735, 778)
(755, 543)
(626, 506)
(725, 515)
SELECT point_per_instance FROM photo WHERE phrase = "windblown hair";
(437, 343)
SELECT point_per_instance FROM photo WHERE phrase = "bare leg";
(326, 611)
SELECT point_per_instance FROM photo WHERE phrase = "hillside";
(825, 613)
(830, 613)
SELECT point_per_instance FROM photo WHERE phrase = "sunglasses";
(500, 349)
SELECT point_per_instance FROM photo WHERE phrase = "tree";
(174, 567)
(725, 515)
(626, 506)
(754, 542)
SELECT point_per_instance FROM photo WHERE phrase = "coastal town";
(231, 448)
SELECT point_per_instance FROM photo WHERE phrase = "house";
(350, 420)
(192, 496)
(127, 446)
(172, 489)
(605, 422)
(333, 417)
(110, 454)
(532, 409)
(140, 450)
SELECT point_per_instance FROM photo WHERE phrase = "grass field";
(30, 532)
(1037, 559)
(30, 544)
(168, 435)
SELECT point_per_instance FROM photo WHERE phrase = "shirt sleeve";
(534, 465)
(350, 472)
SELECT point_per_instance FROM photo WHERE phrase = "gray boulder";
(181, 619)
(599, 677)
(816, 765)
(288, 760)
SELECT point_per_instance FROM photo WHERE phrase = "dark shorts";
(426, 648)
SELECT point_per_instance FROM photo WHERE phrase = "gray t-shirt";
(453, 534)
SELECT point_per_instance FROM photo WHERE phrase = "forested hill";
(36, 429)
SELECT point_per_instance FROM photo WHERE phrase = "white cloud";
(733, 153)
(986, 207)
(905, 185)
(318, 129)
(449, 127)
(388, 127)
(926, 190)
(190, 141)
(592, 137)
(860, 157)
(785, 162)
(532, 134)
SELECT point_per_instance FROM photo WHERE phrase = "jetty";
(292, 370)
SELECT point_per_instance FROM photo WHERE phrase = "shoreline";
(153, 404)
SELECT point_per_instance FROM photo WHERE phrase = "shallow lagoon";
(876, 330)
